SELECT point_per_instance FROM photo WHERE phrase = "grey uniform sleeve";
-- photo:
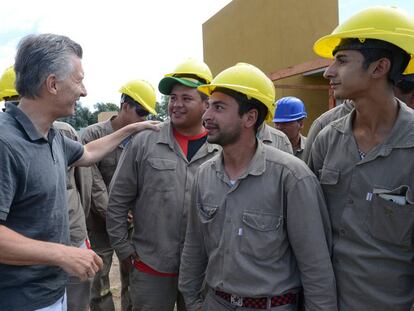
(83, 178)
(285, 145)
(310, 236)
(122, 194)
(8, 180)
(314, 130)
(316, 156)
(193, 259)
(99, 191)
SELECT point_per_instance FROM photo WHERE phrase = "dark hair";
(139, 108)
(405, 85)
(129, 100)
(246, 104)
(373, 50)
(38, 56)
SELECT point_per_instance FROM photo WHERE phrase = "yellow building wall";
(272, 35)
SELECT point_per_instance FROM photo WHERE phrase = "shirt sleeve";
(310, 236)
(314, 130)
(73, 150)
(8, 180)
(193, 259)
(122, 195)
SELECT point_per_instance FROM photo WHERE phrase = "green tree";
(162, 109)
(81, 118)
(102, 107)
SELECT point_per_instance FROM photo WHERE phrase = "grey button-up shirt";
(154, 179)
(322, 121)
(273, 137)
(299, 152)
(267, 235)
(102, 173)
(373, 251)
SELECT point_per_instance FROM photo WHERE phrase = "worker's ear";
(380, 67)
(250, 118)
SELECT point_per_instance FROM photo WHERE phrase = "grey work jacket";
(373, 251)
(154, 179)
(78, 186)
(267, 235)
(102, 173)
(322, 121)
(275, 138)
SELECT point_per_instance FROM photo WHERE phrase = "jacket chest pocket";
(207, 214)
(391, 216)
(162, 174)
(261, 235)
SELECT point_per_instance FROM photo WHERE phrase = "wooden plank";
(312, 87)
(299, 68)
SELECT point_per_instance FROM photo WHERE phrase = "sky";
(127, 39)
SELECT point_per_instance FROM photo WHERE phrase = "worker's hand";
(80, 262)
(145, 125)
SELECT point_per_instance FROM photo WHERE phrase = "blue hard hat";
(289, 109)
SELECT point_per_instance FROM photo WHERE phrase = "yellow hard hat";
(7, 83)
(142, 92)
(191, 73)
(248, 80)
(384, 23)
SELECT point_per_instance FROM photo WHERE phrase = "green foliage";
(101, 107)
(81, 118)
(84, 117)
(162, 109)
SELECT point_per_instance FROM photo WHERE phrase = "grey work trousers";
(78, 294)
(101, 295)
(154, 293)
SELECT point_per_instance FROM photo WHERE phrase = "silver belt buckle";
(236, 300)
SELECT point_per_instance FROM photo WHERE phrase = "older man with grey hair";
(34, 254)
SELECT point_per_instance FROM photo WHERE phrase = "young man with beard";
(153, 179)
(363, 161)
(258, 229)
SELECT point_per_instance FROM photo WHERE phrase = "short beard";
(227, 138)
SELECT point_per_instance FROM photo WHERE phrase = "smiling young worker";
(154, 179)
(363, 161)
(34, 159)
(258, 227)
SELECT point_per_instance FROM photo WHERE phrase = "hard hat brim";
(326, 45)
(166, 84)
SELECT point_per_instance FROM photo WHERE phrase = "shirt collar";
(402, 133)
(25, 122)
(256, 167)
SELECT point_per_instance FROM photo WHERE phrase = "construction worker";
(256, 239)
(289, 115)
(78, 186)
(363, 161)
(137, 102)
(154, 179)
(8, 91)
(35, 256)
